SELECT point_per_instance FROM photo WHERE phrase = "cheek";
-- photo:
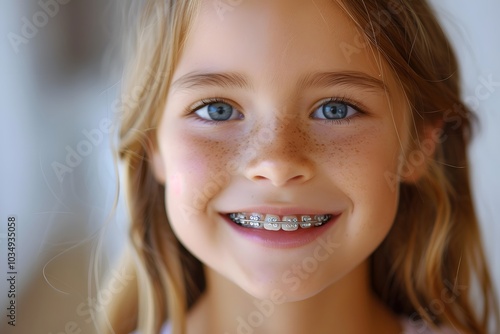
(362, 157)
(197, 170)
(363, 166)
(191, 183)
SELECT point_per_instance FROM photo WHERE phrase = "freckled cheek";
(360, 162)
(195, 166)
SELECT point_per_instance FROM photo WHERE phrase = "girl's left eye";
(334, 110)
(217, 111)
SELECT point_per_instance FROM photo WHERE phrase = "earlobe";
(416, 162)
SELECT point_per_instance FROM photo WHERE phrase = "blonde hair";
(434, 247)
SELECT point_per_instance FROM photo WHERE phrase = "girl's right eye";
(217, 111)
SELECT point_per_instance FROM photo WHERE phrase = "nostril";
(297, 178)
(279, 180)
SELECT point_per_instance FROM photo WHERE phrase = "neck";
(347, 306)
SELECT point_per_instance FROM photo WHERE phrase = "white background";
(475, 30)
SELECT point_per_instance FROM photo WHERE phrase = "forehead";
(276, 42)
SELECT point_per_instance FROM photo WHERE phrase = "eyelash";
(360, 110)
(202, 103)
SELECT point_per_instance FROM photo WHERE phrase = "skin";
(210, 167)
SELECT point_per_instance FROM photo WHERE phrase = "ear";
(417, 160)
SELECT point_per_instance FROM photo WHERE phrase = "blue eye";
(217, 111)
(334, 110)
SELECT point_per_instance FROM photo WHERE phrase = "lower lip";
(281, 239)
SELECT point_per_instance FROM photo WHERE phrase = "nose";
(280, 157)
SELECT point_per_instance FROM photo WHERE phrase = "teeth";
(321, 219)
(256, 216)
(290, 226)
(255, 224)
(272, 218)
(271, 223)
(290, 223)
(306, 219)
(274, 223)
(292, 219)
(272, 226)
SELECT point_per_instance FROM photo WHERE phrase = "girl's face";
(278, 108)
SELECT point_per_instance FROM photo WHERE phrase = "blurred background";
(58, 82)
(59, 85)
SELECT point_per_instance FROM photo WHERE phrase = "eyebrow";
(342, 78)
(203, 80)
(194, 80)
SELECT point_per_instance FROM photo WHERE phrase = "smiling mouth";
(275, 223)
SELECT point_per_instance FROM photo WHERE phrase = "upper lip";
(283, 211)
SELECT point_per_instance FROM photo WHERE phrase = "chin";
(288, 287)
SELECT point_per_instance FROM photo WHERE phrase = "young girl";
(298, 167)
